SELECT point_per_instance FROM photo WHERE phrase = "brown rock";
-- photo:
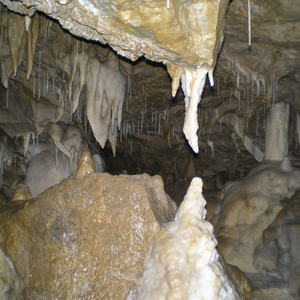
(86, 238)
(239, 279)
(85, 165)
(22, 193)
(172, 36)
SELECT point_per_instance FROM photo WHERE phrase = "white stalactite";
(249, 23)
(16, 30)
(193, 82)
(32, 36)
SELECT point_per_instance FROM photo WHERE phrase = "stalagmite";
(183, 262)
(277, 132)
(16, 30)
(31, 42)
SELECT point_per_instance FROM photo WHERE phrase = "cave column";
(277, 132)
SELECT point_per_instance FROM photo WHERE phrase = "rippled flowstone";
(87, 237)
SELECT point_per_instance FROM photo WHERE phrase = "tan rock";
(22, 193)
(85, 165)
(86, 238)
(173, 36)
(250, 206)
(11, 285)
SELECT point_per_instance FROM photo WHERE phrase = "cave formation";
(51, 53)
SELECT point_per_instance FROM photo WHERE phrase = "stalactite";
(16, 30)
(53, 81)
(298, 128)
(218, 89)
(31, 43)
(249, 23)
(159, 125)
(45, 35)
(33, 86)
(121, 133)
(47, 84)
(39, 74)
(168, 4)
(142, 121)
(276, 90)
(256, 123)
(27, 23)
(128, 85)
(44, 85)
(1, 172)
(252, 90)
(7, 95)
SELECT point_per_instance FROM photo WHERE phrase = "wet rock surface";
(85, 238)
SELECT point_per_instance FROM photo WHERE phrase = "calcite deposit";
(85, 238)
(187, 34)
(285, 232)
(22, 193)
(249, 206)
(183, 262)
(85, 165)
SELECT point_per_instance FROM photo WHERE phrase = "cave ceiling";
(232, 113)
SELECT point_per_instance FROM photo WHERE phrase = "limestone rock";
(43, 173)
(85, 165)
(22, 193)
(285, 232)
(86, 238)
(249, 206)
(11, 285)
(187, 34)
(183, 262)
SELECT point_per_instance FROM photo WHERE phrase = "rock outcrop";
(86, 237)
